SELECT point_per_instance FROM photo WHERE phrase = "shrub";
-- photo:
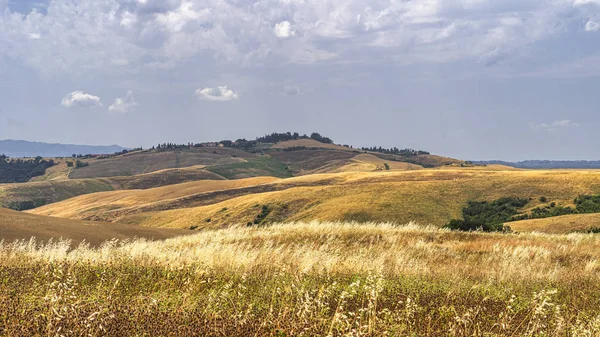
(488, 216)
(543, 199)
(260, 218)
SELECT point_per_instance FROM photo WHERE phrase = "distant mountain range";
(22, 148)
(546, 164)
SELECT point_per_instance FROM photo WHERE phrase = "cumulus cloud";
(124, 104)
(162, 34)
(80, 99)
(284, 29)
(217, 94)
(592, 26)
(564, 123)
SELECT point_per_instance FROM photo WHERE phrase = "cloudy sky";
(474, 79)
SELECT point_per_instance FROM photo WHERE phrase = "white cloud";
(284, 29)
(85, 36)
(564, 123)
(80, 99)
(35, 36)
(592, 26)
(175, 20)
(217, 94)
(586, 2)
(124, 104)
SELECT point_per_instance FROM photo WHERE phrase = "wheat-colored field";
(426, 196)
(17, 225)
(306, 279)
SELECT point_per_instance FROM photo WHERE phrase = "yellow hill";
(35, 194)
(426, 196)
(91, 204)
(557, 225)
(22, 226)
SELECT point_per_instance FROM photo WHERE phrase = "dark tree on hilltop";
(320, 138)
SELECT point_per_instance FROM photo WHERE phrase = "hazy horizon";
(470, 79)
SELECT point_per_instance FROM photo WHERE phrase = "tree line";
(394, 150)
(22, 170)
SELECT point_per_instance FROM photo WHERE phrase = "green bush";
(488, 216)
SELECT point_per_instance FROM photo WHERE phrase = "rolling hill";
(34, 194)
(22, 226)
(559, 224)
(149, 161)
(426, 196)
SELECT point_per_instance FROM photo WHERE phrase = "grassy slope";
(308, 280)
(164, 178)
(309, 143)
(86, 205)
(255, 167)
(147, 162)
(22, 226)
(559, 224)
(50, 191)
(426, 196)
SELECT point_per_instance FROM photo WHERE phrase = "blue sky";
(473, 79)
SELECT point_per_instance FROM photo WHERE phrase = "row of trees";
(22, 170)
(395, 150)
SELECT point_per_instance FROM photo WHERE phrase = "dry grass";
(309, 143)
(17, 226)
(147, 162)
(559, 224)
(365, 162)
(82, 206)
(317, 279)
(427, 196)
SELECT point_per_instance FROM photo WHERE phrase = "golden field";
(306, 279)
(432, 196)
(21, 226)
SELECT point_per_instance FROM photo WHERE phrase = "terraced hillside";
(22, 226)
(426, 196)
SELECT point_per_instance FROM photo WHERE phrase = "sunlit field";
(328, 279)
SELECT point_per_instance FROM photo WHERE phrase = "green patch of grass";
(257, 167)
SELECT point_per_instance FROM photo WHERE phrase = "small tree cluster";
(21, 170)
(395, 150)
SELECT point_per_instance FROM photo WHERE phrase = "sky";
(470, 79)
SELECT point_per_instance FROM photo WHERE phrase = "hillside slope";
(25, 196)
(426, 196)
(559, 224)
(148, 161)
(22, 226)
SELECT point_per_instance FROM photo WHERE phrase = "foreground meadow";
(306, 279)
